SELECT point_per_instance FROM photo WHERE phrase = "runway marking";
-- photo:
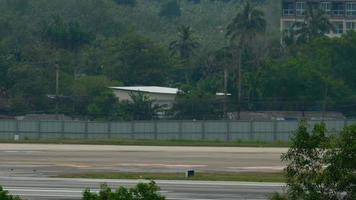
(129, 181)
(45, 190)
(73, 165)
(159, 165)
(277, 168)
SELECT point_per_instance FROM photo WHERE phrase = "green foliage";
(4, 195)
(142, 191)
(65, 35)
(340, 173)
(247, 23)
(131, 3)
(278, 196)
(104, 105)
(305, 164)
(171, 9)
(316, 24)
(320, 72)
(92, 96)
(29, 93)
(136, 60)
(185, 46)
(108, 39)
(139, 108)
(320, 166)
(195, 103)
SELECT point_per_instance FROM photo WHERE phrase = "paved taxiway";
(66, 189)
(42, 160)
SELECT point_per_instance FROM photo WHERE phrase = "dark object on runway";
(189, 173)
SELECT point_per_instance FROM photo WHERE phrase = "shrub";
(4, 195)
(142, 191)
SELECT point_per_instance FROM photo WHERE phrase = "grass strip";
(243, 176)
(156, 143)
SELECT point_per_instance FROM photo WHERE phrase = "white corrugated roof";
(149, 89)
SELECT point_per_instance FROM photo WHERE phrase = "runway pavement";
(42, 160)
(31, 188)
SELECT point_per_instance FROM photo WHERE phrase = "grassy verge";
(245, 176)
(157, 143)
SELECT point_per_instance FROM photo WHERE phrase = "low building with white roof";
(163, 96)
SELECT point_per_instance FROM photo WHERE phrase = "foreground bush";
(4, 195)
(142, 191)
(320, 166)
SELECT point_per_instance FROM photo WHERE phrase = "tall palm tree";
(185, 46)
(315, 24)
(244, 27)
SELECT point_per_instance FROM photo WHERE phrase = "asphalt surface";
(31, 188)
(39, 160)
(25, 168)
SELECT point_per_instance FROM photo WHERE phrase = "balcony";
(288, 12)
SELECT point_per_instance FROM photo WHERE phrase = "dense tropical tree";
(320, 166)
(142, 191)
(136, 60)
(244, 27)
(185, 46)
(170, 9)
(141, 107)
(316, 24)
(4, 195)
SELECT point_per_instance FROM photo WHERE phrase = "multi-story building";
(342, 13)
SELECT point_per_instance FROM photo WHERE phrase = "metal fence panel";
(98, 127)
(263, 136)
(51, 126)
(263, 127)
(334, 127)
(286, 126)
(240, 127)
(285, 137)
(6, 136)
(192, 127)
(161, 130)
(215, 127)
(168, 127)
(7, 126)
(74, 127)
(144, 127)
(28, 126)
(350, 122)
(121, 127)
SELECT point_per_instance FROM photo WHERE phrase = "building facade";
(342, 13)
(162, 96)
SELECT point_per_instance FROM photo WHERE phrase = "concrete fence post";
(86, 129)
(17, 129)
(109, 130)
(275, 130)
(132, 130)
(155, 133)
(228, 134)
(251, 131)
(62, 130)
(203, 136)
(39, 129)
(180, 130)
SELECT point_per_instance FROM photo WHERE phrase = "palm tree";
(316, 24)
(185, 46)
(244, 27)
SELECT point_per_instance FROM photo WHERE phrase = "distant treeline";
(202, 47)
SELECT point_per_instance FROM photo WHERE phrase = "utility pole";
(225, 92)
(225, 83)
(324, 103)
(57, 89)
